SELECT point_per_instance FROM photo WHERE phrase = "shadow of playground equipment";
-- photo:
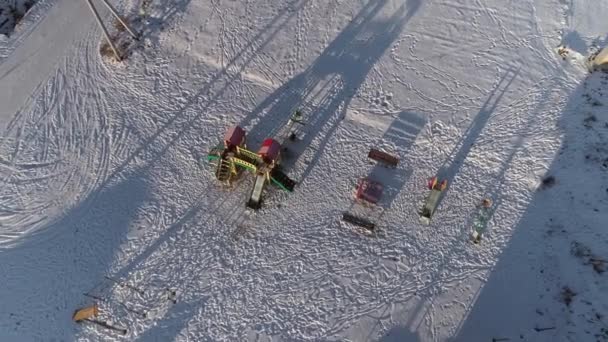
(401, 134)
(324, 90)
(344, 57)
(43, 281)
(527, 279)
(179, 120)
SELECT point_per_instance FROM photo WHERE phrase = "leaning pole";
(103, 28)
(121, 20)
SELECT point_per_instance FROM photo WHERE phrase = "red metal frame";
(369, 190)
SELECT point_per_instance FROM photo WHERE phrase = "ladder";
(249, 156)
(223, 170)
(243, 163)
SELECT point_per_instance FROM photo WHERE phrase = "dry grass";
(118, 25)
(106, 51)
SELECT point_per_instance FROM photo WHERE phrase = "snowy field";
(103, 191)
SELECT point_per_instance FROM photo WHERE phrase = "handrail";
(244, 164)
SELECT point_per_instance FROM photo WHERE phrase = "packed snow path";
(100, 175)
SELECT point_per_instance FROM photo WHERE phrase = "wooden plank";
(359, 221)
(383, 157)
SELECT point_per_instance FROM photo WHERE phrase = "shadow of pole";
(469, 137)
(521, 293)
(343, 65)
(473, 132)
(43, 281)
(229, 74)
(324, 90)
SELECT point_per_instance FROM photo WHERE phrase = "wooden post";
(122, 21)
(105, 31)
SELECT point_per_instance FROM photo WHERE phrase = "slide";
(222, 173)
(255, 200)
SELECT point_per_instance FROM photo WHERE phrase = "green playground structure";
(232, 156)
(432, 201)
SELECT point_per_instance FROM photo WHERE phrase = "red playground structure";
(269, 152)
(235, 136)
(232, 156)
(369, 190)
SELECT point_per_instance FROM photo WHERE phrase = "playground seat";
(359, 221)
(383, 157)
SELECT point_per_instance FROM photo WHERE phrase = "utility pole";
(121, 20)
(105, 30)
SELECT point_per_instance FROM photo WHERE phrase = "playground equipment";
(369, 190)
(367, 195)
(358, 220)
(432, 201)
(383, 158)
(232, 157)
(480, 222)
(85, 313)
(90, 313)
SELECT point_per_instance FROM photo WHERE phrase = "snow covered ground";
(99, 164)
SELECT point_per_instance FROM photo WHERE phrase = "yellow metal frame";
(242, 163)
(249, 154)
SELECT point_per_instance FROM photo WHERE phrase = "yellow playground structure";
(232, 156)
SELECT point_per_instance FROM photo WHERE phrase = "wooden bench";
(359, 221)
(383, 157)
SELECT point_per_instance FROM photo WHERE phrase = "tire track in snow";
(64, 140)
(26, 27)
(312, 290)
(208, 97)
(32, 62)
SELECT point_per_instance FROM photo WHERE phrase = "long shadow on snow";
(229, 74)
(324, 90)
(521, 284)
(399, 334)
(159, 13)
(401, 133)
(481, 119)
(166, 330)
(449, 171)
(186, 310)
(43, 281)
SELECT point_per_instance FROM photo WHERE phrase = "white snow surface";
(99, 165)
